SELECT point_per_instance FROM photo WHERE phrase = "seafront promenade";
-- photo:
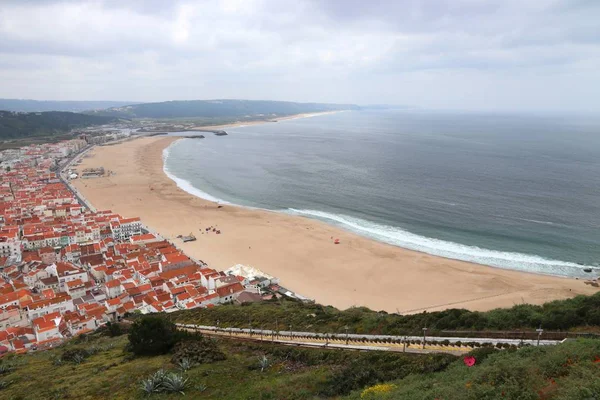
(62, 171)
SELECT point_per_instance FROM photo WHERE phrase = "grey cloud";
(312, 50)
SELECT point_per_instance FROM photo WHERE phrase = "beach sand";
(262, 121)
(300, 251)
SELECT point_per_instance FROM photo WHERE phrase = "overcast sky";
(465, 54)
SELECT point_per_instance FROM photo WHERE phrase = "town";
(68, 269)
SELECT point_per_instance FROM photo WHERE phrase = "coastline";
(357, 272)
(265, 121)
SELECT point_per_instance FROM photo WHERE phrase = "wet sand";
(300, 251)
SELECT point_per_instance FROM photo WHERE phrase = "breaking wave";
(399, 237)
(184, 184)
(402, 238)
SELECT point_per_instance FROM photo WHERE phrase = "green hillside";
(15, 125)
(578, 313)
(220, 109)
(98, 366)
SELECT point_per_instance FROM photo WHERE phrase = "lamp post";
(404, 342)
(291, 333)
(218, 322)
(424, 336)
(539, 331)
(250, 325)
(346, 328)
(261, 333)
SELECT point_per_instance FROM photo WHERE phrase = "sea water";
(507, 190)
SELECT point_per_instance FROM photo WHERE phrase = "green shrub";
(373, 368)
(199, 351)
(114, 329)
(76, 355)
(152, 335)
(556, 315)
(481, 353)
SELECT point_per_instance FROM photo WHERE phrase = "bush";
(374, 368)
(482, 353)
(74, 355)
(199, 351)
(152, 336)
(114, 329)
(82, 338)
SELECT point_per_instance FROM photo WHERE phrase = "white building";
(66, 272)
(10, 247)
(42, 307)
(125, 228)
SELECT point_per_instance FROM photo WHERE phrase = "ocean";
(512, 191)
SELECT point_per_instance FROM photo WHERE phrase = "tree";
(152, 335)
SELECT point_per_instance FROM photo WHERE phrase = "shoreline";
(183, 184)
(358, 272)
(263, 121)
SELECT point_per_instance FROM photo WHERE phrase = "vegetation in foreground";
(570, 371)
(99, 366)
(581, 312)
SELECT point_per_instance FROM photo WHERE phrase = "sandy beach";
(262, 121)
(300, 251)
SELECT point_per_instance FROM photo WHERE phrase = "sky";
(526, 55)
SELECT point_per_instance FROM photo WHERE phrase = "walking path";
(82, 200)
(359, 342)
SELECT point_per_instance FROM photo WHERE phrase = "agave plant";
(263, 363)
(185, 364)
(149, 386)
(6, 368)
(5, 384)
(78, 358)
(174, 383)
(92, 350)
(201, 387)
(159, 376)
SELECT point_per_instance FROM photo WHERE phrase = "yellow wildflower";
(375, 391)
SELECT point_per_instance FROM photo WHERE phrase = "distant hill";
(219, 109)
(22, 105)
(15, 125)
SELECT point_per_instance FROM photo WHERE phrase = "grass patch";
(253, 370)
(109, 371)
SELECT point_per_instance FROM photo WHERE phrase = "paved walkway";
(61, 172)
(350, 341)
